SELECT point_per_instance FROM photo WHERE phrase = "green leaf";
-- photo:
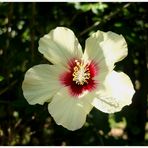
(1, 78)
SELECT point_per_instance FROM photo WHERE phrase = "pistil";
(81, 73)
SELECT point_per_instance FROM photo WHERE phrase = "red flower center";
(79, 77)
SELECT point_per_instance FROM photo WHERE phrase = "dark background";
(22, 25)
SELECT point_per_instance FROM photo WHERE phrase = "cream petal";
(68, 111)
(92, 47)
(117, 92)
(41, 83)
(114, 46)
(105, 47)
(60, 45)
(93, 52)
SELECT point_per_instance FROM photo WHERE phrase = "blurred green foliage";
(22, 25)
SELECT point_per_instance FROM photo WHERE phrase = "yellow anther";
(81, 73)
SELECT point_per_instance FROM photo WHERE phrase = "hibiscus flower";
(76, 81)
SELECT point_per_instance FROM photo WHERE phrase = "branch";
(32, 23)
(8, 87)
(105, 19)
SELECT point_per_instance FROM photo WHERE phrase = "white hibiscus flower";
(77, 81)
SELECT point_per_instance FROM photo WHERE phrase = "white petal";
(41, 83)
(114, 46)
(60, 45)
(94, 52)
(107, 47)
(117, 92)
(68, 111)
